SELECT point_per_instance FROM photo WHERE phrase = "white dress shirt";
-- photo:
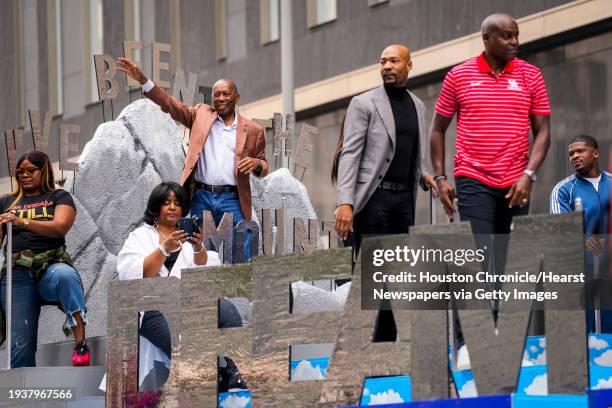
(147, 86)
(216, 166)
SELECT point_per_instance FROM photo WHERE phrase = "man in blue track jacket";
(593, 187)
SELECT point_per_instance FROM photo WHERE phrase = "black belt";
(216, 189)
(393, 186)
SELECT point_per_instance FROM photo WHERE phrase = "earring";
(156, 224)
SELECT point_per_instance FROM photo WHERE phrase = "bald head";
(399, 50)
(395, 64)
(495, 22)
(500, 37)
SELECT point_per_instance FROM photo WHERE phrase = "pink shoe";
(80, 355)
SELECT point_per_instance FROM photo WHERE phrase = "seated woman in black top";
(41, 215)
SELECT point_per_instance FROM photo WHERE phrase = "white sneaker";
(463, 359)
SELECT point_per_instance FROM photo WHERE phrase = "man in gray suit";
(382, 159)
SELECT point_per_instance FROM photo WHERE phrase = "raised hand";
(132, 70)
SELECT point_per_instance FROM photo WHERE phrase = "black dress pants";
(387, 212)
(486, 208)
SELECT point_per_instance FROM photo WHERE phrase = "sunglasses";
(26, 172)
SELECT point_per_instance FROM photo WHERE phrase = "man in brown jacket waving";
(224, 148)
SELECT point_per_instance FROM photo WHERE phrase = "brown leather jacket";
(250, 141)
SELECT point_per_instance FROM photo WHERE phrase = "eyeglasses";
(26, 172)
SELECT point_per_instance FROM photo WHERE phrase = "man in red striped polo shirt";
(498, 99)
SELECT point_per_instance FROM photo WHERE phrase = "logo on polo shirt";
(476, 83)
(513, 85)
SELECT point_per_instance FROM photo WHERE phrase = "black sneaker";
(237, 383)
(223, 381)
(230, 379)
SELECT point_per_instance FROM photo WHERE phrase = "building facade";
(47, 52)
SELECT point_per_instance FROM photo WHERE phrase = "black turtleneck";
(402, 166)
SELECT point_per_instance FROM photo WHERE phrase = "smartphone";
(189, 225)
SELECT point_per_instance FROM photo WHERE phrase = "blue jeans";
(60, 283)
(217, 204)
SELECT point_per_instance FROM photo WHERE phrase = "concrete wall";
(352, 41)
(8, 65)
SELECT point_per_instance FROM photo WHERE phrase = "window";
(19, 63)
(54, 46)
(32, 41)
(372, 3)
(220, 30)
(132, 25)
(321, 12)
(94, 30)
(147, 34)
(230, 30)
(269, 19)
(175, 34)
(132, 31)
(131, 22)
(139, 25)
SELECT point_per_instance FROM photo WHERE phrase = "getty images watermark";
(431, 272)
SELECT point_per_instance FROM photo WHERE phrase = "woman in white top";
(159, 248)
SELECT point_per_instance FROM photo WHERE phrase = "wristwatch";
(531, 174)
(25, 223)
(439, 177)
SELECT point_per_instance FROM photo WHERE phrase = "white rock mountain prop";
(269, 192)
(119, 168)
